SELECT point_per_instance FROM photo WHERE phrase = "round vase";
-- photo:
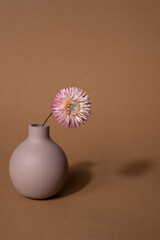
(38, 167)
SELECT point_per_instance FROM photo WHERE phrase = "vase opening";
(37, 131)
(38, 125)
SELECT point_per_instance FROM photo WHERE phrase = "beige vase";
(38, 167)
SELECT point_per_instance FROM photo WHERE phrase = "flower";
(71, 107)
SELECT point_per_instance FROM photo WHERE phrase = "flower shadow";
(136, 168)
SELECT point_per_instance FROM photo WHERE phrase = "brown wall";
(111, 49)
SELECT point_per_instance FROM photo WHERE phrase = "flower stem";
(47, 118)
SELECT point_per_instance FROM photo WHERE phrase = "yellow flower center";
(73, 107)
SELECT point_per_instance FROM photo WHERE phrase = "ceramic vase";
(38, 167)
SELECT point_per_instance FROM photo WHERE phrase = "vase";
(38, 167)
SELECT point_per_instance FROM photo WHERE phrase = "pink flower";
(71, 107)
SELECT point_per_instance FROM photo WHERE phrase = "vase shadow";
(136, 168)
(79, 177)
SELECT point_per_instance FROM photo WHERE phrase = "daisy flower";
(71, 107)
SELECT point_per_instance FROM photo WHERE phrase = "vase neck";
(37, 131)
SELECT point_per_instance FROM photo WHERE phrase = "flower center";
(73, 107)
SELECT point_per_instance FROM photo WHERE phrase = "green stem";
(47, 118)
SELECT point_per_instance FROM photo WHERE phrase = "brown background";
(111, 49)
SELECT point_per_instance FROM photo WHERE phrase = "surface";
(110, 49)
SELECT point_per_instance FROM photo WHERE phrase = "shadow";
(79, 177)
(136, 168)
